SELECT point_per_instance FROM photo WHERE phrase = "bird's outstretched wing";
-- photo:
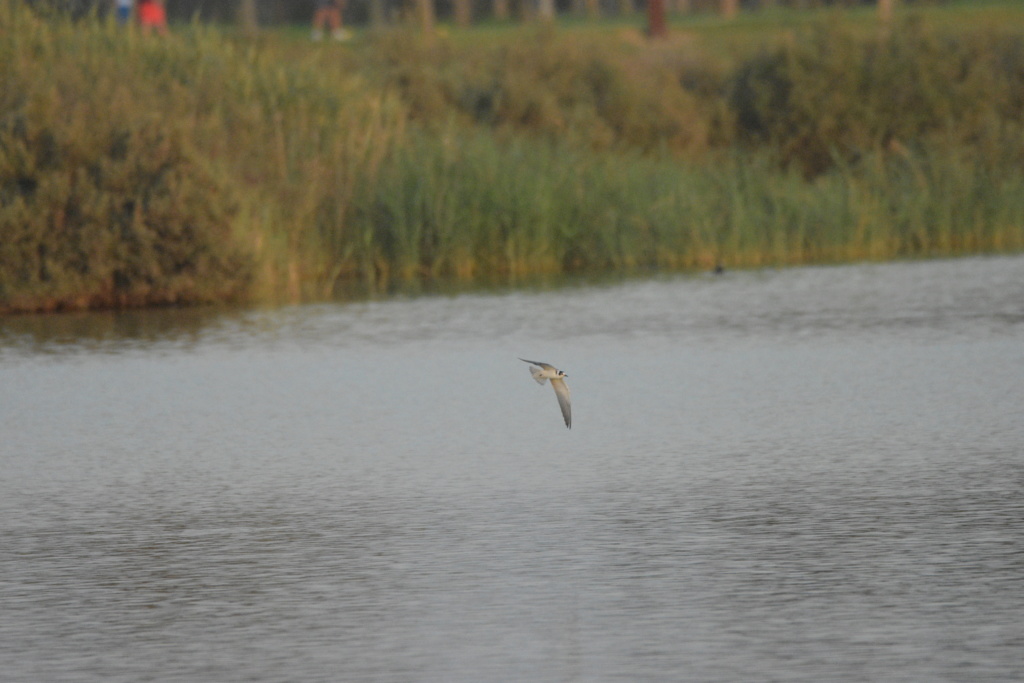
(562, 392)
(536, 372)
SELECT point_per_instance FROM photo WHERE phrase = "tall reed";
(482, 207)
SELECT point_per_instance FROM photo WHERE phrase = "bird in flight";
(543, 371)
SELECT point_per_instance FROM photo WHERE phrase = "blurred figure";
(328, 13)
(123, 11)
(152, 17)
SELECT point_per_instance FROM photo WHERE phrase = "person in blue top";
(123, 11)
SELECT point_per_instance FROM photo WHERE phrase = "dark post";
(247, 16)
(656, 27)
(425, 10)
(885, 10)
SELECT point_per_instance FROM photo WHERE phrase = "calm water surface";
(803, 475)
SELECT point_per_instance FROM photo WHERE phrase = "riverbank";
(208, 167)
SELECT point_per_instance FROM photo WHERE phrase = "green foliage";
(142, 170)
(469, 206)
(204, 166)
(122, 217)
(831, 93)
(551, 85)
(101, 202)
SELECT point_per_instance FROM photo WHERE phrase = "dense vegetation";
(206, 166)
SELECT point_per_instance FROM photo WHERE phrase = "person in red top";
(152, 17)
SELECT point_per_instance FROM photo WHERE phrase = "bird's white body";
(543, 372)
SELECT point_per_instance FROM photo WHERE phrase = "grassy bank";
(205, 166)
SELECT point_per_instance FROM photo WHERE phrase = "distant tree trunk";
(656, 27)
(626, 7)
(523, 10)
(546, 10)
(463, 10)
(591, 9)
(885, 8)
(377, 17)
(684, 6)
(730, 8)
(501, 10)
(247, 16)
(426, 16)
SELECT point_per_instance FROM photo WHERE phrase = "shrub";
(119, 216)
(832, 93)
(548, 84)
(103, 201)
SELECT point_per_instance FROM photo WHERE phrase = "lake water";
(813, 474)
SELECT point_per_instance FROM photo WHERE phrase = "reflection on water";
(802, 475)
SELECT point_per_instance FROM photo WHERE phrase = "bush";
(123, 218)
(547, 84)
(104, 201)
(833, 94)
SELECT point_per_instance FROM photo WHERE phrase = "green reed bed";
(205, 166)
(443, 208)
